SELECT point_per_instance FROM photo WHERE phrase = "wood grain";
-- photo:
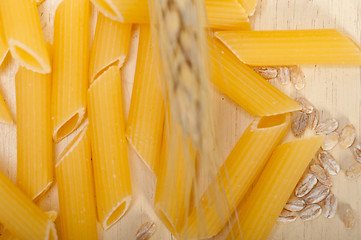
(336, 91)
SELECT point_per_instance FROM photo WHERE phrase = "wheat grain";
(181, 45)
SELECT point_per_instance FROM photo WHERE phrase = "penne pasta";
(24, 35)
(74, 176)
(222, 14)
(249, 6)
(110, 158)
(34, 142)
(241, 26)
(4, 48)
(260, 210)
(236, 176)
(146, 113)
(131, 11)
(226, 14)
(35, 165)
(70, 63)
(244, 86)
(21, 216)
(110, 46)
(174, 179)
(292, 47)
(7, 235)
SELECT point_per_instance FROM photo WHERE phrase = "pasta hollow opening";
(117, 213)
(106, 7)
(104, 69)
(28, 58)
(271, 121)
(67, 127)
(43, 191)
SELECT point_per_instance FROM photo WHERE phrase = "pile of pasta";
(64, 87)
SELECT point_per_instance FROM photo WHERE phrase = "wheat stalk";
(183, 51)
(179, 31)
(181, 43)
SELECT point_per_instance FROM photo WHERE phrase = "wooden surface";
(336, 91)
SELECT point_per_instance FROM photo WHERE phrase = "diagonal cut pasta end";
(108, 8)
(28, 58)
(117, 213)
(165, 219)
(68, 126)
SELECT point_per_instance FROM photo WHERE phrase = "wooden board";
(336, 91)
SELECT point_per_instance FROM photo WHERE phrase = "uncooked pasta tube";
(109, 148)
(236, 176)
(292, 47)
(244, 86)
(174, 179)
(22, 28)
(222, 14)
(146, 113)
(260, 210)
(70, 66)
(35, 165)
(110, 46)
(74, 176)
(21, 216)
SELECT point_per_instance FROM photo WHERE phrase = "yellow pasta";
(236, 176)
(260, 210)
(7, 235)
(70, 63)
(21, 216)
(226, 14)
(146, 113)
(245, 86)
(222, 14)
(34, 145)
(174, 180)
(110, 46)
(4, 48)
(292, 47)
(110, 158)
(249, 6)
(133, 11)
(242, 26)
(74, 176)
(24, 35)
